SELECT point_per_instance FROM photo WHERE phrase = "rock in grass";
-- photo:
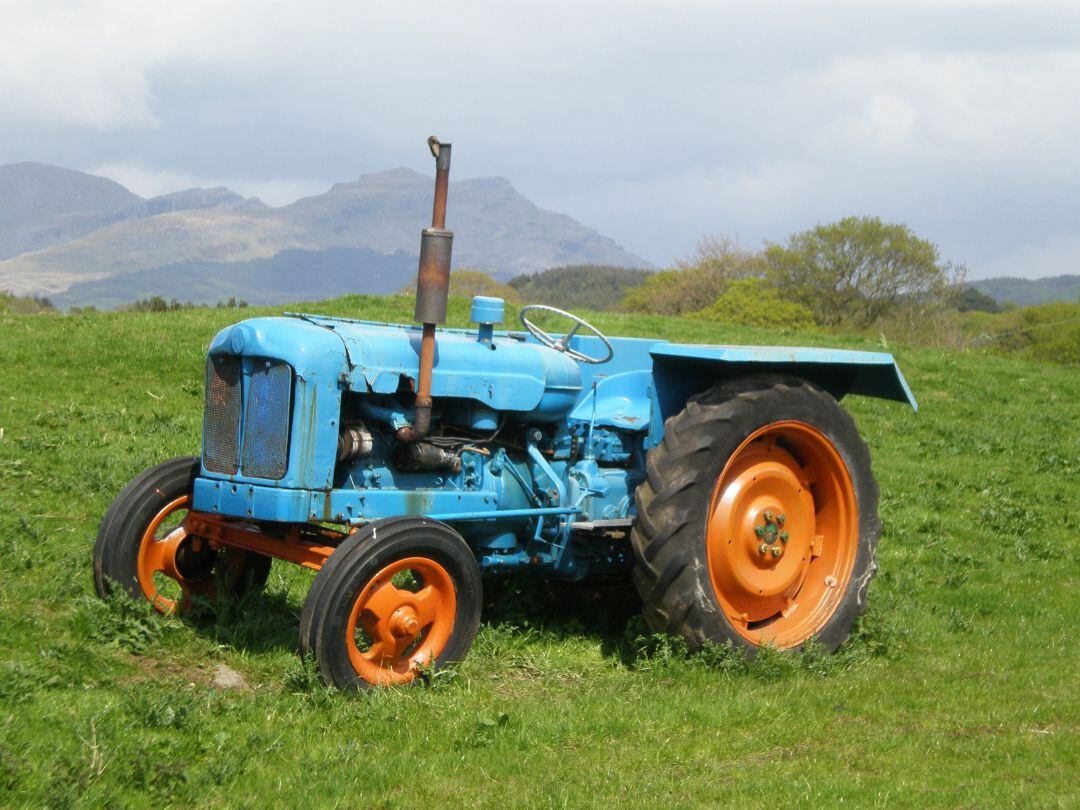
(228, 678)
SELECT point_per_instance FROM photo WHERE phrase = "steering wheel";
(563, 344)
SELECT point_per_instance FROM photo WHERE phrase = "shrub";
(469, 283)
(1046, 332)
(696, 280)
(24, 304)
(752, 302)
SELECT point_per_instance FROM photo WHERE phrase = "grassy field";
(959, 688)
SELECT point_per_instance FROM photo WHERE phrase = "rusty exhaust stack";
(432, 289)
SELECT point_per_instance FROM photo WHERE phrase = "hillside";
(498, 230)
(956, 690)
(42, 206)
(290, 275)
(1029, 291)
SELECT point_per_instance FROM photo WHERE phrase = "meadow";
(958, 689)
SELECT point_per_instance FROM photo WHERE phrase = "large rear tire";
(758, 520)
(143, 549)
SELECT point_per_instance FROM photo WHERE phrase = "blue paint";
(576, 435)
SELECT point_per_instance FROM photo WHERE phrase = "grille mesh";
(221, 419)
(266, 420)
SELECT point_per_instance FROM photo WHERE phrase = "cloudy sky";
(654, 122)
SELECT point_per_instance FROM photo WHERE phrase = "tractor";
(406, 463)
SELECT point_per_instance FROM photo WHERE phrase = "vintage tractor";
(402, 465)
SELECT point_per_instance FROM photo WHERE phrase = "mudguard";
(681, 370)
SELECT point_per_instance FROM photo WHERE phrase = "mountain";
(42, 206)
(1029, 291)
(209, 231)
(291, 275)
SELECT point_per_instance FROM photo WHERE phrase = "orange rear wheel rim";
(782, 534)
(397, 627)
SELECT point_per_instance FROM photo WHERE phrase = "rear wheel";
(758, 522)
(396, 597)
(143, 548)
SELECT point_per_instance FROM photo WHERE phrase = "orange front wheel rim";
(167, 552)
(782, 534)
(401, 621)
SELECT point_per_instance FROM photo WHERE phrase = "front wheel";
(758, 522)
(398, 596)
(143, 548)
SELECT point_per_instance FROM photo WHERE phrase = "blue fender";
(681, 370)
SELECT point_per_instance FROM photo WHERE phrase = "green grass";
(959, 689)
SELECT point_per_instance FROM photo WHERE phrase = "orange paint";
(309, 548)
(157, 553)
(405, 629)
(782, 534)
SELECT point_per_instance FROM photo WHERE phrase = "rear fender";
(680, 371)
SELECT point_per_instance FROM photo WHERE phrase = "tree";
(973, 300)
(695, 281)
(861, 269)
(586, 286)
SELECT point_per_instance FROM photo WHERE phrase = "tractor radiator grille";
(266, 420)
(256, 446)
(221, 419)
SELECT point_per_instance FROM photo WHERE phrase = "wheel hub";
(404, 623)
(194, 558)
(395, 628)
(782, 520)
(772, 534)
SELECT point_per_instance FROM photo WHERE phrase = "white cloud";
(1022, 107)
(149, 182)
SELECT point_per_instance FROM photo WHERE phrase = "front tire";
(758, 521)
(396, 597)
(143, 549)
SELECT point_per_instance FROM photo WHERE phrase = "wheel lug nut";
(777, 551)
(759, 531)
(781, 518)
(768, 516)
(763, 548)
(783, 537)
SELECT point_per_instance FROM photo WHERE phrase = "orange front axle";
(307, 545)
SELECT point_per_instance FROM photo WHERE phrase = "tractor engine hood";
(505, 373)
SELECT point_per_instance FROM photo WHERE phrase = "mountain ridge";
(498, 229)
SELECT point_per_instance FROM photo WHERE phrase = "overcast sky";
(654, 122)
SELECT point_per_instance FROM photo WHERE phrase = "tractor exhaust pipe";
(432, 289)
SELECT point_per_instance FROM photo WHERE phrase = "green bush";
(752, 302)
(24, 304)
(1046, 332)
(470, 283)
(698, 279)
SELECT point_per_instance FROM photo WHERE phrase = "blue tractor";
(402, 464)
